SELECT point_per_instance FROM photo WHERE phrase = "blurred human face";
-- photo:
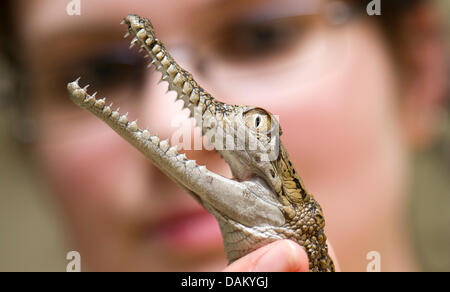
(332, 87)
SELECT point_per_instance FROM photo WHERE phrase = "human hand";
(279, 256)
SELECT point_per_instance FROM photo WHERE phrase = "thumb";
(279, 256)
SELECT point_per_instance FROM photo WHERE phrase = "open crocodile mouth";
(250, 210)
(247, 199)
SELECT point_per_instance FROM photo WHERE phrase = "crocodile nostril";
(272, 173)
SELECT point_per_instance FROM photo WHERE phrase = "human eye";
(111, 71)
(260, 39)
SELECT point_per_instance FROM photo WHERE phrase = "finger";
(279, 256)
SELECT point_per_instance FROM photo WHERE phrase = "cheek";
(83, 168)
(336, 131)
(345, 120)
(344, 136)
(345, 125)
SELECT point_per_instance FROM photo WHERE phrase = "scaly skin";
(266, 200)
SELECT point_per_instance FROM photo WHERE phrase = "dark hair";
(6, 29)
(8, 59)
(392, 14)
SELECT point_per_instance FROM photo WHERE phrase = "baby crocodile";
(265, 201)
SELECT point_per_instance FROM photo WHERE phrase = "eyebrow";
(68, 30)
(261, 10)
(62, 42)
(287, 8)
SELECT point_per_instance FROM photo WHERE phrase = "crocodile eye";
(258, 119)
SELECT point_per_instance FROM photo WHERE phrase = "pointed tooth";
(78, 80)
(179, 80)
(191, 164)
(90, 100)
(181, 157)
(160, 56)
(122, 22)
(134, 41)
(164, 145)
(107, 111)
(156, 49)
(155, 140)
(146, 56)
(165, 62)
(100, 103)
(187, 88)
(115, 115)
(142, 34)
(194, 98)
(124, 119)
(145, 134)
(207, 116)
(165, 77)
(136, 26)
(172, 70)
(172, 152)
(133, 126)
(126, 35)
(202, 107)
(79, 94)
(141, 50)
(86, 87)
(72, 86)
(149, 40)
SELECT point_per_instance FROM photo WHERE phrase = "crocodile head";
(265, 191)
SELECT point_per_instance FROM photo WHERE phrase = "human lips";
(189, 231)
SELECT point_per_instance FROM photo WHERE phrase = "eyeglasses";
(268, 51)
(274, 51)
